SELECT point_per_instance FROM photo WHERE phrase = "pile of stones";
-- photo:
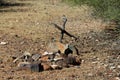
(58, 56)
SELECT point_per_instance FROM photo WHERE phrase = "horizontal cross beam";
(64, 31)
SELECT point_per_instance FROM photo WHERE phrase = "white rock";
(96, 40)
(54, 66)
(98, 58)
(118, 66)
(83, 61)
(51, 53)
(90, 74)
(106, 65)
(3, 43)
(112, 67)
(27, 53)
(56, 59)
(47, 53)
(57, 54)
(95, 62)
(117, 78)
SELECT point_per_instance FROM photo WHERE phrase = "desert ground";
(25, 25)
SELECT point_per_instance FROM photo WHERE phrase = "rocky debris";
(25, 57)
(47, 61)
(56, 46)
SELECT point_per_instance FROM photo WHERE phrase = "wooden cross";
(62, 29)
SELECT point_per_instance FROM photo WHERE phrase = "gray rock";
(35, 66)
(35, 57)
(24, 64)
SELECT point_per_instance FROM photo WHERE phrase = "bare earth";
(25, 26)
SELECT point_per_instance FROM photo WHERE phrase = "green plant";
(107, 9)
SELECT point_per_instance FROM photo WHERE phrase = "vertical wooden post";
(63, 27)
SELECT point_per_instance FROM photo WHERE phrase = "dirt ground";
(25, 26)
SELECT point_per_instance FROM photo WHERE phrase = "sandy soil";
(25, 26)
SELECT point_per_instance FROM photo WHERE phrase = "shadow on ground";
(3, 7)
(13, 10)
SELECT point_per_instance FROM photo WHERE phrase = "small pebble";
(95, 62)
(117, 78)
(90, 74)
(3, 43)
(112, 67)
(118, 66)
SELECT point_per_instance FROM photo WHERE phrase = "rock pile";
(59, 56)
